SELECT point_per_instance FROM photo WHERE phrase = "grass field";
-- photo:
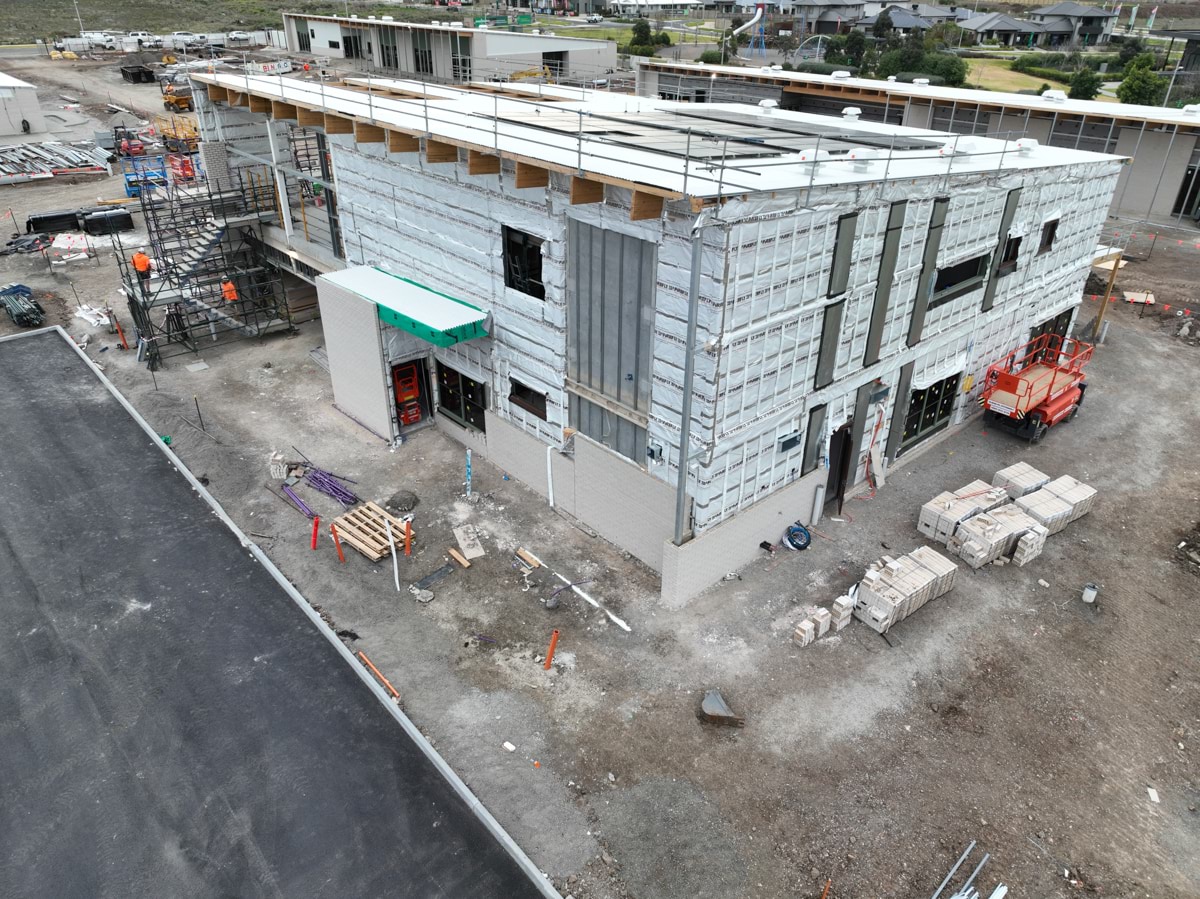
(994, 74)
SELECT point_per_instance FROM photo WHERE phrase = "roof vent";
(767, 106)
(1055, 96)
(1192, 109)
(388, 18)
(921, 82)
(851, 113)
(862, 157)
(371, 17)
(1026, 145)
(892, 78)
(776, 68)
(765, 69)
(354, 15)
(841, 74)
(958, 147)
(456, 24)
(814, 155)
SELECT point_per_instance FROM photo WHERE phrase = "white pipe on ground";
(550, 475)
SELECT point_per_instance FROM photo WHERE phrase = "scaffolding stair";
(192, 260)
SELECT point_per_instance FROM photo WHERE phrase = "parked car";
(183, 40)
(144, 38)
(100, 40)
(240, 36)
(594, 18)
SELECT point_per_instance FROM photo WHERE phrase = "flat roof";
(177, 719)
(458, 26)
(675, 149)
(1091, 108)
(7, 80)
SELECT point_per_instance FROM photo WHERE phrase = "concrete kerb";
(493, 826)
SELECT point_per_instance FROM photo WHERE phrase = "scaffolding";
(213, 282)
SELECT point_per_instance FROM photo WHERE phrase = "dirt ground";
(1006, 712)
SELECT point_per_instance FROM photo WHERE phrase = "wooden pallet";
(363, 528)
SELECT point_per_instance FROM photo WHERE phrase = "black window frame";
(843, 255)
(422, 52)
(930, 411)
(955, 289)
(1049, 236)
(1009, 256)
(525, 397)
(461, 399)
(522, 260)
(827, 349)
(812, 440)
(335, 45)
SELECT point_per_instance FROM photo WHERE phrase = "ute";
(1036, 386)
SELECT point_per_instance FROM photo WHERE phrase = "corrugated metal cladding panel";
(610, 313)
(608, 429)
(356, 365)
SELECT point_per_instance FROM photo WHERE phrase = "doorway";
(840, 450)
(410, 384)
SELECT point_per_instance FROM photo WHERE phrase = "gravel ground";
(1006, 712)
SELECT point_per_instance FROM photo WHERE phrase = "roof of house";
(928, 11)
(901, 18)
(796, 3)
(1074, 10)
(1058, 24)
(998, 21)
(661, 147)
(1180, 34)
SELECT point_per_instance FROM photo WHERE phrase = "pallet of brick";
(892, 589)
(979, 540)
(984, 495)
(1078, 494)
(806, 632)
(942, 568)
(821, 618)
(1051, 511)
(939, 517)
(843, 609)
(1020, 479)
(1030, 546)
(1017, 522)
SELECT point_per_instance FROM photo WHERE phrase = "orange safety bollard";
(550, 651)
(376, 672)
(407, 538)
(338, 543)
(316, 525)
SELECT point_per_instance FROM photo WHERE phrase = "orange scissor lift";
(1036, 385)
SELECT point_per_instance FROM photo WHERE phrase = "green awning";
(431, 315)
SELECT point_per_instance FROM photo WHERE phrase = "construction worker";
(229, 291)
(141, 264)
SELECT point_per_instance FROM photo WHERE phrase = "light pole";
(1175, 71)
(78, 18)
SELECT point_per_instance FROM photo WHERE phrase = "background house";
(1074, 23)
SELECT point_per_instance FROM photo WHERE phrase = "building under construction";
(685, 324)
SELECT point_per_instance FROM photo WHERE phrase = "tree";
(1085, 85)
(893, 62)
(883, 25)
(1045, 87)
(1141, 61)
(856, 46)
(944, 65)
(1130, 48)
(641, 34)
(662, 39)
(1142, 87)
(710, 57)
(946, 35)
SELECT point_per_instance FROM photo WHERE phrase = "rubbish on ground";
(458, 557)
(1043, 583)
(1153, 794)
(300, 504)
(421, 595)
(35, 162)
(387, 526)
(509, 746)
(613, 618)
(1144, 298)
(715, 709)
(92, 315)
(362, 655)
(433, 577)
(196, 366)
(767, 547)
(22, 308)
(330, 484)
(468, 541)
(26, 243)
(363, 528)
(892, 589)
(528, 558)
(1089, 593)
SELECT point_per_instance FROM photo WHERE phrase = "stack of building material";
(990, 535)
(892, 589)
(1020, 479)
(806, 632)
(1080, 496)
(941, 516)
(1030, 546)
(821, 618)
(1050, 510)
(843, 608)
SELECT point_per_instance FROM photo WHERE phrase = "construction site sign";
(278, 67)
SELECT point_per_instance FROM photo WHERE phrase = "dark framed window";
(787, 444)
(955, 280)
(929, 411)
(1049, 233)
(812, 443)
(523, 262)
(1008, 260)
(335, 45)
(422, 55)
(525, 397)
(843, 254)
(883, 284)
(460, 398)
(831, 330)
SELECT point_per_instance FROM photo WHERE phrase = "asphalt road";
(171, 724)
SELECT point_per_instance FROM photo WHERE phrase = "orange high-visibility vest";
(141, 262)
(229, 291)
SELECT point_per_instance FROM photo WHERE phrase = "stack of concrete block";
(892, 589)
(843, 608)
(1030, 546)
(806, 632)
(1080, 496)
(821, 618)
(1050, 510)
(990, 535)
(942, 515)
(1020, 479)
